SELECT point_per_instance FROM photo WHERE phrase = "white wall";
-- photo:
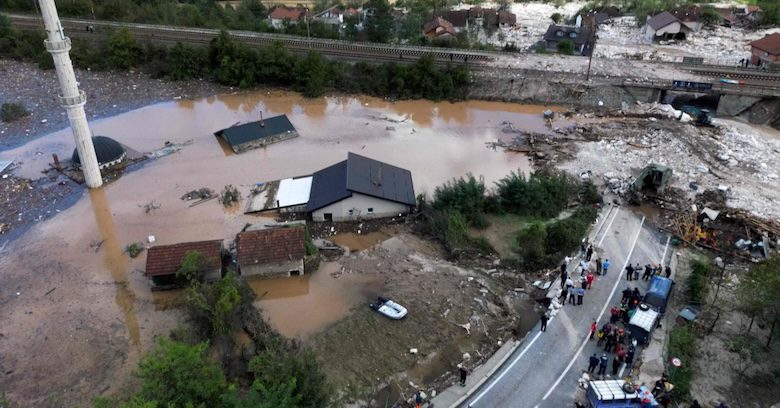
(673, 28)
(359, 204)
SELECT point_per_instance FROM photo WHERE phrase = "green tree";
(186, 62)
(566, 47)
(464, 195)
(178, 375)
(194, 267)
(311, 75)
(556, 17)
(215, 305)
(379, 21)
(122, 50)
(281, 366)
(710, 16)
(531, 244)
(759, 294)
(262, 396)
(10, 112)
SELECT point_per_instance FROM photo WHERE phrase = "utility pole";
(591, 40)
(308, 32)
(71, 97)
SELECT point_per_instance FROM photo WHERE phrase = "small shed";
(163, 261)
(665, 26)
(271, 252)
(258, 134)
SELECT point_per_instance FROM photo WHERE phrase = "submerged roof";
(106, 149)
(167, 259)
(270, 246)
(240, 134)
(362, 175)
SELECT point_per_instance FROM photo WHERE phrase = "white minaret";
(71, 98)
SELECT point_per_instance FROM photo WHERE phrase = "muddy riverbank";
(77, 312)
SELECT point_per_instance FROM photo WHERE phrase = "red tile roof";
(770, 44)
(431, 28)
(270, 246)
(292, 14)
(166, 259)
(507, 17)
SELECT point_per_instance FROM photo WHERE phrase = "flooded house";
(252, 135)
(163, 261)
(271, 252)
(359, 188)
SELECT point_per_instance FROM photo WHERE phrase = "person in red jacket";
(589, 279)
(592, 329)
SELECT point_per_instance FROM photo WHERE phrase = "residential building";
(439, 28)
(665, 26)
(579, 36)
(765, 50)
(506, 19)
(280, 14)
(258, 134)
(359, 188)
(163, 261)
(331, 16)
(271, 252)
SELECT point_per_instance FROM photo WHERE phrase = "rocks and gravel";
(108, 94)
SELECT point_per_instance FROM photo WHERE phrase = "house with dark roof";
(579, 36)
(258, 134)
(163, 261)
(359, 188)
(506, 19)
(765, 50)
(271, 252)
(439, 28)
(665, 26)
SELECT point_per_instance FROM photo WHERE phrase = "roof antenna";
(262, 122)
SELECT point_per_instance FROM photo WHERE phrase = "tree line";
(232, 63)
(541, 197)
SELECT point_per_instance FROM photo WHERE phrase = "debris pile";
(229, 195)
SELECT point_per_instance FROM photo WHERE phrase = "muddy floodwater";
(74, 306)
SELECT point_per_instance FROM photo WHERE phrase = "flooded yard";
(77, 312)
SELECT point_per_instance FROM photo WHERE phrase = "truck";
(618, 394)
(642, 323)
(658, 293)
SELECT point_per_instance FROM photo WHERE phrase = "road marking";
(608, 227)
(603, 221)
(666, 247)
(489, 387)
(622, 368)
(603, 309)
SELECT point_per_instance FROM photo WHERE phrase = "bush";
(450, 228)
(194, 267)
(134, 249)
(543, 194)
(179, 375)
(215, 306)
(283, 365)
(531, 244)
(696, 291)
(590, 194)
(11, 112)
(556, 18)
(682, 344)
(121, 50)
(463, 197)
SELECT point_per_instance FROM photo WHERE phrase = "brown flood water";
(436, 141)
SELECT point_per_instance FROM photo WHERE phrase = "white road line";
(622, 368)
(603, 221)
(666, 247)
(608, 227)
(489, 387)
(603, 309)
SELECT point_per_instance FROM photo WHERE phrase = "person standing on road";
(583, 247)
(605, 266)
(564, 277)
(626, 295)
(668, 271)
(603, 364)
(593, 330)
(463, 374)
(594, 361)
(599, 265)
(580, 294)
(648, 272)
(589, 253)
(572, 294)
(637, 268)
(589, 279)
(544, 322)
(630, 356)
(615, 366)
(629, 272)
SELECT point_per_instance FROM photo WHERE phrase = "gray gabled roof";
(240, 134)
(662, 20)
(362, 175)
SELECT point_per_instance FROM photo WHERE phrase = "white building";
(359, 188)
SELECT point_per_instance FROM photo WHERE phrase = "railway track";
(201, 36)
(737, 74)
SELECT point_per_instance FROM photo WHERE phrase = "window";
(327, 216)
(351, 212)
(559, 33)
(572, 34)
(371, 210)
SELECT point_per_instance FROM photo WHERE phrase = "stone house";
(163, 261)
(271, 252)
(765, 50)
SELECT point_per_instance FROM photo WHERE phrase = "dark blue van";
(658, 293)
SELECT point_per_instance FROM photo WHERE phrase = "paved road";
(544, 371)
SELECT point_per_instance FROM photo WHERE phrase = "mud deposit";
(77, 313)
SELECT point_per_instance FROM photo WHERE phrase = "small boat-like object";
(388, 308)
